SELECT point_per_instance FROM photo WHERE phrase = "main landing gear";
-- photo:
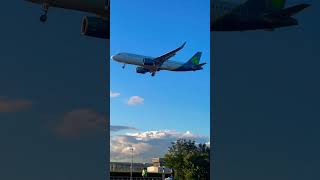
(152, 74)
(124, 65)
(45, 8)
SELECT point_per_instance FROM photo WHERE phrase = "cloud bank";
(147, 144)
(121, 128)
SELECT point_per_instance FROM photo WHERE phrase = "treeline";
(189, 160)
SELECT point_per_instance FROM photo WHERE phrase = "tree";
(189, 161)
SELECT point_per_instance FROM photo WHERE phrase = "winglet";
(182, 46)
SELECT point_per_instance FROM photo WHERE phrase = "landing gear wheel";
(45, 9)
(43, 18)
(153, 74)
(124, 65)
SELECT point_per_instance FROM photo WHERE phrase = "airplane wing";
(160, 60)
(288, 12)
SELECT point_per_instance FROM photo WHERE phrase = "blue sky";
(175, 101)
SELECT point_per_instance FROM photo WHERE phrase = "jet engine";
(141, 70)
(148, 62)
(95, 27)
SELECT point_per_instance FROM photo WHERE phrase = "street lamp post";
(163, 175)
(131, 169)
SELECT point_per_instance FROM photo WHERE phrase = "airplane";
(95, 26)
(153, 64)
(253, 15)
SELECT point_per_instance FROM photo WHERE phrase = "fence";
(134, 178)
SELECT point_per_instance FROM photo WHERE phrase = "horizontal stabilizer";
(288, 11)
(202, 64)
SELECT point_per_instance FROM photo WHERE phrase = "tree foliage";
(189, 160)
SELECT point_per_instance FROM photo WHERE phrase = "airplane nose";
(112, 57)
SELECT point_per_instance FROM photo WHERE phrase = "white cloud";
(208, 143)
(114, 94)
(135, 100)
(148, 144)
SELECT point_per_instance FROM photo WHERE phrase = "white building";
(158, 167)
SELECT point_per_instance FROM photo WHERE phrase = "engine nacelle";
(148, 62)
(142, 70)
(95, 27)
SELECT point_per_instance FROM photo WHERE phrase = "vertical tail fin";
(195, 60)
(275, 5)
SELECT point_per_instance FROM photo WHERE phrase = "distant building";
(126, 166)
(157, 166)
(157, 162)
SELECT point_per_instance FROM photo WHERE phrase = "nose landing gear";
(43, 18)
(45, 8)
